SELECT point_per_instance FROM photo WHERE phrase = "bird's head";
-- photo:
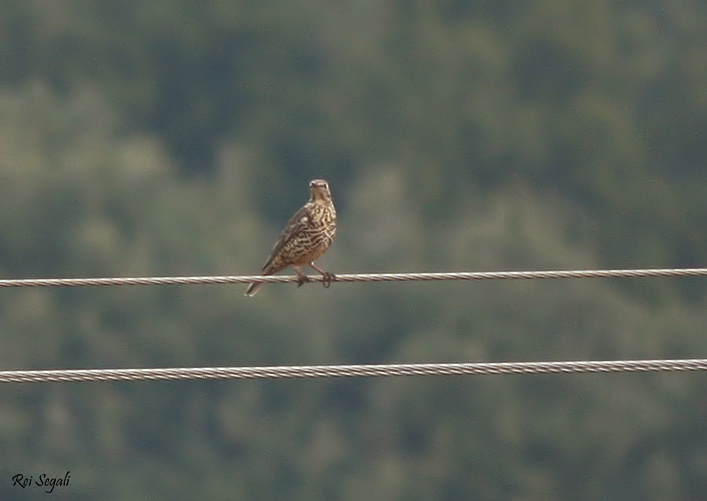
(320, 190)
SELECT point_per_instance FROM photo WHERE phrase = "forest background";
(150, 138)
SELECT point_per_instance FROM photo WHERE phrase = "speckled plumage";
(306, 237)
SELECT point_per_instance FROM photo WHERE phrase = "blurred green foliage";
(176, 137)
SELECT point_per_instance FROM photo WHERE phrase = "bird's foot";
(302, 279)
(327, 279)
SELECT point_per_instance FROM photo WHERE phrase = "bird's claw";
(327, 279)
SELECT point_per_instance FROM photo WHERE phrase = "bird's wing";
(295, 226)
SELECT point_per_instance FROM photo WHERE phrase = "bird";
(305, 238)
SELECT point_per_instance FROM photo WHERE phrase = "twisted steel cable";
(354, 370)
(357, 277)
(330, 371)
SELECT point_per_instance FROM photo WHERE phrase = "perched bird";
(305, 239)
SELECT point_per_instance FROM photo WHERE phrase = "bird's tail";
(253, 288)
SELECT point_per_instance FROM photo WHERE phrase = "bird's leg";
(327, 278)
(301, 277)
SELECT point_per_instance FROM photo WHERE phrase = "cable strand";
(356, 277)
(330, 371)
